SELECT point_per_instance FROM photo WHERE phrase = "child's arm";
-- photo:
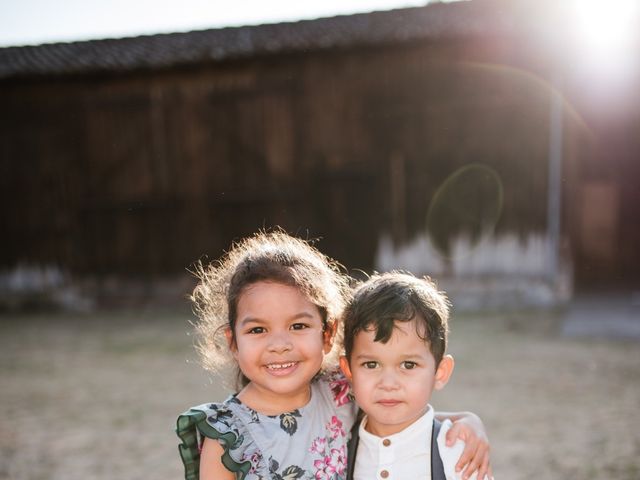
(211, 467)
(468, 427)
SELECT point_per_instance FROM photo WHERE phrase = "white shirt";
(406, 454)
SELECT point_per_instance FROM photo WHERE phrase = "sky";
(33, 22)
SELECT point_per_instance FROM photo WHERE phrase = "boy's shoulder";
(450, 455)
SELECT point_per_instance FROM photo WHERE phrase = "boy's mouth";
(389, 402)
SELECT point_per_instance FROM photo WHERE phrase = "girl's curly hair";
(265, 256)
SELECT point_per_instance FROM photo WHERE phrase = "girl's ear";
(328, 335)
(345, 367)
(230, 341)
(443, 372)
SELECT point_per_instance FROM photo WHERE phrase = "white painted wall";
(505, 271)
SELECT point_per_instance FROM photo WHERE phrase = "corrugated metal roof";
(440, 20)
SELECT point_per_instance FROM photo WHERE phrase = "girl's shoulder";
(335, 388)
(223, 417)
(218, 421)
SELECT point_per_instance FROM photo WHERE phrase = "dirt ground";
(95, 397)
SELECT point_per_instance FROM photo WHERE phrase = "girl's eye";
(256, 330)
(299, 326)
(370, 365)
(409, 365)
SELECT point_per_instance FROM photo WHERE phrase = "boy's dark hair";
(385, 299)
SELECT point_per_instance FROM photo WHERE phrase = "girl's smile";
(279, 345)
(281, 369)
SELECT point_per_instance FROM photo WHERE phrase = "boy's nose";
(388, 381)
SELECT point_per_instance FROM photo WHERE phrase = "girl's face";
(279, 346)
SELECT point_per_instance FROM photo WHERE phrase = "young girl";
(269, 309)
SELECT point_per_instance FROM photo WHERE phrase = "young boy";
(395, 341)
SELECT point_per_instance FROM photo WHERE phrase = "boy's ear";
(328, 335)
(344, 366)
(228, 334)
(443, 372)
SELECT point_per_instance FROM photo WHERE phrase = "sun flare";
(606, 27)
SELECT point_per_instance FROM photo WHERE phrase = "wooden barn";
(455, 139)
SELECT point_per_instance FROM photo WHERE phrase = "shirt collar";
(411, 437)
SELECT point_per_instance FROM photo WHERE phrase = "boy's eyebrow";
(408, 356)
(363, 356)
(247, 320)
(413, 355)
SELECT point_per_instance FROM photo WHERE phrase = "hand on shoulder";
(451, 454)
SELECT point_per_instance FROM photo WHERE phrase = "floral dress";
(307, 443)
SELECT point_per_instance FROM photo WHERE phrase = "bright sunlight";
(606, 29)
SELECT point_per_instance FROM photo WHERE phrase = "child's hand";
(470, 429)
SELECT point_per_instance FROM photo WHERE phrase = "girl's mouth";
(389, 403)
(281, 368)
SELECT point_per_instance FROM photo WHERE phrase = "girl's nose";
(280, 342)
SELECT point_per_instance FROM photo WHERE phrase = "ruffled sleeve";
(215, 421)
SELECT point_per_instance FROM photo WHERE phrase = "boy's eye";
(408, 365)
(370, 365)
(299, 326)
(256, 330)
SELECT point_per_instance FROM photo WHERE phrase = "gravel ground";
(95, 397)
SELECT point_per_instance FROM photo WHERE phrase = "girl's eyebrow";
(247, 320)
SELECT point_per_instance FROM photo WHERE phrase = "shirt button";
(384, 474)
(386, 442)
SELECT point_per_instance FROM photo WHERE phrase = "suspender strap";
(437, 469)
(352, 449)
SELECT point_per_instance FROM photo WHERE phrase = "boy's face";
(393, 381)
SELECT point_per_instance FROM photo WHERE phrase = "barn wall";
(143, 174)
